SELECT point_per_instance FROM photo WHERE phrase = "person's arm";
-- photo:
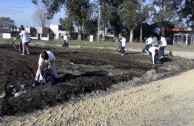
(40, 72)
(153, 59)
(17, 37)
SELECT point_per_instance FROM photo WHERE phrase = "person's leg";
(160, 53)
(23, 48)
(27, 49)
(64, 43)
(20, 47)
(162, 50)
(122, 50)
(53, 69)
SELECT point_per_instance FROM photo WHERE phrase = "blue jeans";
(162, 50)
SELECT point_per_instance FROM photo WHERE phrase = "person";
(119, 45)
(123, 42)
(65, 38)
(20, 44)
(155, 54)
(163, 44)
(154, 41)
(148, 45)
(46, 58)
(25, 40)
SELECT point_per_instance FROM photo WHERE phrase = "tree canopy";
(6, 22)
(121, 14)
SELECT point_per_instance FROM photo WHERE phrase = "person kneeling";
(155, 54)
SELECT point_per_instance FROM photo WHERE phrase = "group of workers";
(153, 47)
(156, 48)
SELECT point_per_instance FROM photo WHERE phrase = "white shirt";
(65, 37)
(123, 42)
(149, 40)
(25, 36)
(51, 57)
(152, 51)
(163, 41)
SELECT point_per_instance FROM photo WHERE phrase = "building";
(8, 33)
(57, 32)
(39, 33)
(182, 36)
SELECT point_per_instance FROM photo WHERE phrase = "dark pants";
(65, 44)
(122, 50)
(162, 50)
(157, 57)
(146, 48)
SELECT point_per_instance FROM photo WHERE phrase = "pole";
(99, 23)
(141, 24)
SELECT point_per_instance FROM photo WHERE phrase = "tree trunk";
(79, 32)
(162, 31)
(131, 36)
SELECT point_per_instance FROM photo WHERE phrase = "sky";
(21, 12)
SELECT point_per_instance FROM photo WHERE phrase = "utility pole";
(99, 16)
(141, 23)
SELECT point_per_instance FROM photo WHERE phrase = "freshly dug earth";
(80, 72)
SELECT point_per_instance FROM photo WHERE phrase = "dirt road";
(167, 102)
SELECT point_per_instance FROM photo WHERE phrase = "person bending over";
(46, 58)
(155, 54)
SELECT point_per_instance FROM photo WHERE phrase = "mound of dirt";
(80, 72)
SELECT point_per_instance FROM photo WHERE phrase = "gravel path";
(167, 102)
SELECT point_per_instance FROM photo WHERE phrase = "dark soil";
(80, 72)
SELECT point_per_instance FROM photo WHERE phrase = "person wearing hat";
(46, 58)
(24, 35)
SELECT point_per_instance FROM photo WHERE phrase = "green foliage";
(187, 12)
(67, 23)
(110, 14)
(6, 22)
(167, 11)
(90, 27)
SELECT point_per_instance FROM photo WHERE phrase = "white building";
(58, 31)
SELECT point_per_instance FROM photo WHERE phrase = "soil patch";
(80, 72)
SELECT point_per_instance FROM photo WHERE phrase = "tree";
(132, 15)
(90, 27)
(109, 15)
(166, 12)
(187, 12)
(67, 23)
(6, 22)
(40, 16)
(78, 9)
